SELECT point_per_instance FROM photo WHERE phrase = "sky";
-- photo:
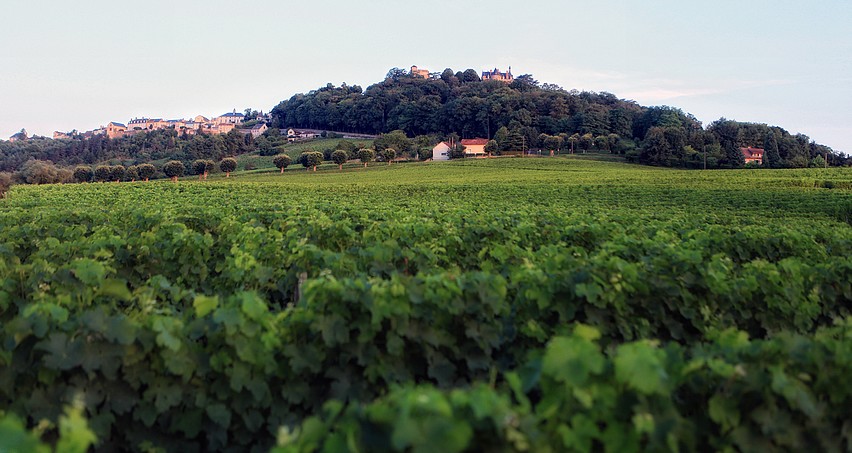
(78, 65)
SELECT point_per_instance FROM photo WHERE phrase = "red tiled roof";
(752, 152)
(474, 141)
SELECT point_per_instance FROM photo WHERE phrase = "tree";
(553, 143)
(339, 157)
(102, 173)
(601, 142)
(388, 155)
(117, 172)
(39, 172)
(491, 147)
(202, 167)
(573, 140)
(132, 173)
(817, 162)
(281, 161)
(771, 157)
(5, 183)
(502, 138)
(174, 169)
(145, 171)
(397, 140)
(586, 142)
(227, 165)
(83, 173)
(310, 159)
(366, 155)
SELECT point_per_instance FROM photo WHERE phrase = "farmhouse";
(753, 155)
(256, 131)
(295, 135)
(441, 151)
(474, 147)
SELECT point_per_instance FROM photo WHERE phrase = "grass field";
(513, 304)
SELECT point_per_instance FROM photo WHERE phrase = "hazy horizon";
(80, 66)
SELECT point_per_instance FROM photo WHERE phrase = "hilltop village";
(221, 124)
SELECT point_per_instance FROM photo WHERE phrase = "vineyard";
(492, 305)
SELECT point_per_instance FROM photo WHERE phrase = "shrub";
(5, 183)
(39, 172)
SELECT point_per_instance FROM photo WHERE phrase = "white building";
(441, 151)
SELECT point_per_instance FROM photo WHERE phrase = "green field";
(513, 304)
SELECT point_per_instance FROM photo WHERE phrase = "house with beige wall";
(115, 130)
(474, 147)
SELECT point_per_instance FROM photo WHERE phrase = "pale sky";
(80, 64)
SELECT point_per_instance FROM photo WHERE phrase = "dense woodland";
(528, 114)
(415, 113)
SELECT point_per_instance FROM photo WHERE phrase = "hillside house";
(441, 151)
(20, 136)
(230, 118)
(753, 155)
(474, 147)
(494, 74)
(294, 135)
(115, 130)
(256, 131)
(420, 72)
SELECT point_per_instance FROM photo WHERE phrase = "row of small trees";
(311, 159)
(117, 173)
(172, 169)
(202, 167)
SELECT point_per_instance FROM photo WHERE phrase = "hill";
(528, 114)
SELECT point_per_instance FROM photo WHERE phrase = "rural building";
(441, 151)
(256, 131)
(296, 135)
(494, 74)
(474, 147)
(20, 136)
(115, 130)
(753, 155)
(61, 135)
(230, 118)
(420, 72)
